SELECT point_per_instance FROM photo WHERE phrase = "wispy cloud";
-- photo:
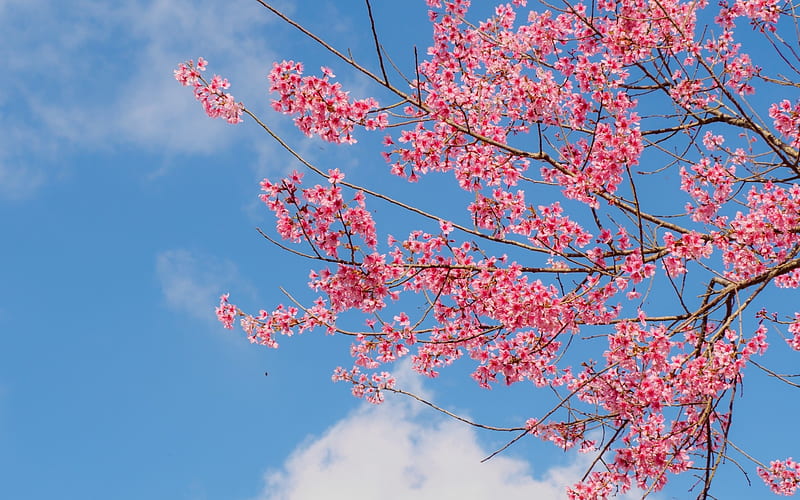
(152, 107)
(191, 283)
(17, 180)
(95, 76)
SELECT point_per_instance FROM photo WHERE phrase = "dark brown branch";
(377, 44)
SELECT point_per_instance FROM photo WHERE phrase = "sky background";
(125, 213)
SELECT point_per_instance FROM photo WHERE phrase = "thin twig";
(453, 415)
(377, 44)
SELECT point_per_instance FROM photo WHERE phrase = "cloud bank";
(401, 450)
(396, 451)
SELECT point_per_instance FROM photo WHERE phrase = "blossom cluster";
(782, 476)
(787, 120)
(322, 108)
(216, 102)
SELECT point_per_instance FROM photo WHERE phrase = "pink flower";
(335, 176)
(446, 227)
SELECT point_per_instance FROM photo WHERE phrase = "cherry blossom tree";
(633, 178)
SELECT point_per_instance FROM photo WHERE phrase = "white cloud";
(18, 181)
(97, 76)
(395, 452)
(21, 175)
(151, 107)
(191, 283)
(400, 450)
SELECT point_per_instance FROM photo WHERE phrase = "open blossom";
(335, 175)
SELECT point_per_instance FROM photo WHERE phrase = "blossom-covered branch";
(627, 194)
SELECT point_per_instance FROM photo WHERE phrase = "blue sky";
(126, 212)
